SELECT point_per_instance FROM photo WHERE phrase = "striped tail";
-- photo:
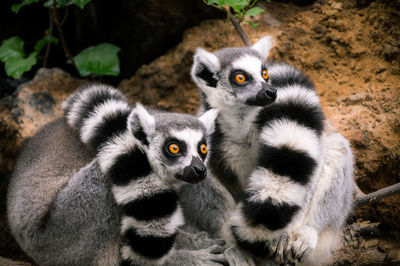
(150, 211)
(98, 112)
(289, 155)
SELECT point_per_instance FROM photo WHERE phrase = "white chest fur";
(241, 141)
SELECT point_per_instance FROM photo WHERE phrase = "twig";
(364, 199)
(65, 16)
(239, 29)
(61, 34)
(48, 47)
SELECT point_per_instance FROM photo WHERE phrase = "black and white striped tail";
(288, 158)
(150, 210)
(98, 112)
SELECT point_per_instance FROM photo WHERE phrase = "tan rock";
(31, 106)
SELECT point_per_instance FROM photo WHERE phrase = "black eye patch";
(238, 77)
(174, 148)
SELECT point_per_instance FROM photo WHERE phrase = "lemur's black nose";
(271, 93)
(198, 167)
(199, 170)
(193, 173)
(265, 96)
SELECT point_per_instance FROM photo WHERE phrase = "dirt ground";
(351, 49)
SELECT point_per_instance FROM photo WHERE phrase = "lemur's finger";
(272, 246)
(220, 258)
(237, 257)
(305, 254)
(221, 242)
(280, 248)
(297, 249)
(216, 249)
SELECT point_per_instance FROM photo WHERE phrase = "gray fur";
(58, 206)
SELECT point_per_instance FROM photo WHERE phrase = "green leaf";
(81, 3)
(43, 42)
(16, 7)
(17, 66)
(252, 24)
(237, 5)
(101, 59)
(10, 48)
(219, 3)
(243, 3)
(254, 11)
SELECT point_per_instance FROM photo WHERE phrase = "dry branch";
(362, 199)
(48, 46)
(239, 29)
(61, 34)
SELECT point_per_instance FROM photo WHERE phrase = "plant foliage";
(241, 8)
(49, 3)
(101, 59)
(13, 56)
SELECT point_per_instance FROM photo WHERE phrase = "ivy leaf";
(101, 59)
(254, 11)
(17, 66)
(43, 42)
(16, 7)
(10, 48)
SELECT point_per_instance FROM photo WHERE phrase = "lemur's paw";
(302, 242)
(202, 240)
(212, 256)
(237, 257)
(278, 247)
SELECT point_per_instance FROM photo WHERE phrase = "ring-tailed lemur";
(117, 200)
(283, 176)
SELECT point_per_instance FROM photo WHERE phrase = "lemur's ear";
(208, 120)
(141, 124)
(264, 45)
(205, 68)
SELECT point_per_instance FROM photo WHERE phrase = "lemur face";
(234, 76)
(180, 154)
(175, 144)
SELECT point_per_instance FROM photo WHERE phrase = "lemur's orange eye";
(203, 148)
(240, 78)
(173, 148)
(265, 74)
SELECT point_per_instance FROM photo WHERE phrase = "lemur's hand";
(296, 245)
(211, 256)
(237, 257)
